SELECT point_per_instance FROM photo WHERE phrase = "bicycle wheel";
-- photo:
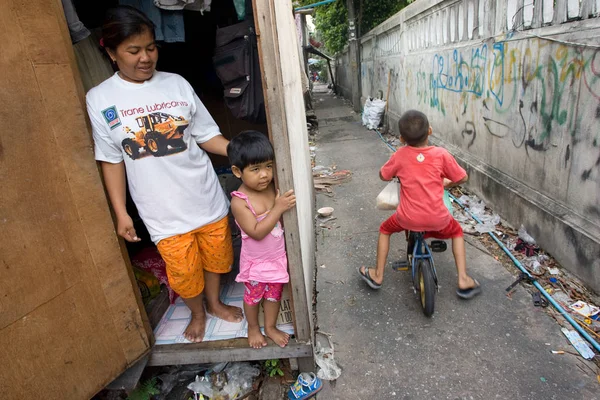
(426, 286)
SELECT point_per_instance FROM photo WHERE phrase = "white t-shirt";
(155, 127)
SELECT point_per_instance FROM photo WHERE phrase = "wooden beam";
(224, 350)
(273, 54)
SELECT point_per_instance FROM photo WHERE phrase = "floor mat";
(173, 323)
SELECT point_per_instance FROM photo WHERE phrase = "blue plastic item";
(306, 386)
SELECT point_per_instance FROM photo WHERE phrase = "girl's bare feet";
(195, 330)
(256, 339)
(279, 337)
(225, 312)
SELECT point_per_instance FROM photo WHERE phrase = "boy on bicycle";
(424, 171)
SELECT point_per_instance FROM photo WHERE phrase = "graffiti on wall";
(527, 91)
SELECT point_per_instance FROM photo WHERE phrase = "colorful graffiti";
(537, 83)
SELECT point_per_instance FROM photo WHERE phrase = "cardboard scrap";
(324, 181)
(585, 309)
(580, 345)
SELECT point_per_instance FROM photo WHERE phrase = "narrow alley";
(490, 347)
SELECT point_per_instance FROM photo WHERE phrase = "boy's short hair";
(414, 127)
(249, 148)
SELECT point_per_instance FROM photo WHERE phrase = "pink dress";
(263, 260)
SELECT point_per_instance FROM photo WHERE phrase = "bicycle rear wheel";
(426, 286)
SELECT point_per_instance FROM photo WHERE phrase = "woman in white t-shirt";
(152, 128)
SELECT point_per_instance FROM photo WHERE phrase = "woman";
(151, 127)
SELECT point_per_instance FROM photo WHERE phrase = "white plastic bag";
(372, 113)
(389, 198)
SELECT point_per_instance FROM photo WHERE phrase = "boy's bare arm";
(382, 178)
(449, 184)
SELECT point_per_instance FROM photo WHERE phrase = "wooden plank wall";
(278, 46)
(70, 319)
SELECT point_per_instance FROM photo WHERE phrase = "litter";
(234, 382)
(325, 178)
(580, 345)
(328, 368)
(584, 309)
(325, 211)
(477, 208)
(558, 352)
(553, 271)
(526, 237)
(372, 113)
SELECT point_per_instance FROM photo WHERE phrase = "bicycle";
(419, 257)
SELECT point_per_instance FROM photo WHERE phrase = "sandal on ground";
(469, 293)
(306, 386)
(366, 276)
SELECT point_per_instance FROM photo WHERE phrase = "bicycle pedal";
(438, 246)
(400, 265)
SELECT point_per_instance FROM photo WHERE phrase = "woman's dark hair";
(123, 22)
(249, 148)
(414, 127)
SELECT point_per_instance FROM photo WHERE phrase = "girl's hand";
(126, 230)
(285, 202)
(448, 183)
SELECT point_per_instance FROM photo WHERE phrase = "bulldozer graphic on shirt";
(160, 134)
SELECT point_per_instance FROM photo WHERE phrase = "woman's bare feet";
(256, 339)
(195, 330)
(279, 337)
(225, 312)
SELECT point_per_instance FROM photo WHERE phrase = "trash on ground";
(328, 368)
(325, 211)
(477, 207)
(372, 113)
(558, 352)
(585, 309)
(306, 386)
(526, 237)
(324, 178)
(233, 382)
(580, 345)
(389, 197)
(553, 271)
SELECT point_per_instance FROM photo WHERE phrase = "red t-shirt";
(421, 171)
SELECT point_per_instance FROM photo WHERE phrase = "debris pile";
(325, 177)
(565, 289)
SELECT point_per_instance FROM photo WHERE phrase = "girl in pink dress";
(257, 208)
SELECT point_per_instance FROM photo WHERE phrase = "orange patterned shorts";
(187, 256)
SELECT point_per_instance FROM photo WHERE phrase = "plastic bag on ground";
(328, 368)
(526, 237)
(373, 112)
(226, 380)
(389, 197)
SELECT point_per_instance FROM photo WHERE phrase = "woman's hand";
(285, 202)
(126, 230)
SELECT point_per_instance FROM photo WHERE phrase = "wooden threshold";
(224, 350)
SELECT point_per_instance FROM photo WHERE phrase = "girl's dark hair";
(123, 22)
(248, 148)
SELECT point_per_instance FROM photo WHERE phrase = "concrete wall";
(513, 91)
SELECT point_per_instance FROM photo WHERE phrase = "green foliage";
(145, 391)
(273, 367)
(331, 20)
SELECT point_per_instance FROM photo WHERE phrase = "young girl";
(257, 208)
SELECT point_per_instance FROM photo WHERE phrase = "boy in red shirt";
(424, 171)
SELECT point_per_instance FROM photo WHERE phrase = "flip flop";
(367, 278)
(469, 293)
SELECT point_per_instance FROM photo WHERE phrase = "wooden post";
(354, 55)
(286, 118)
